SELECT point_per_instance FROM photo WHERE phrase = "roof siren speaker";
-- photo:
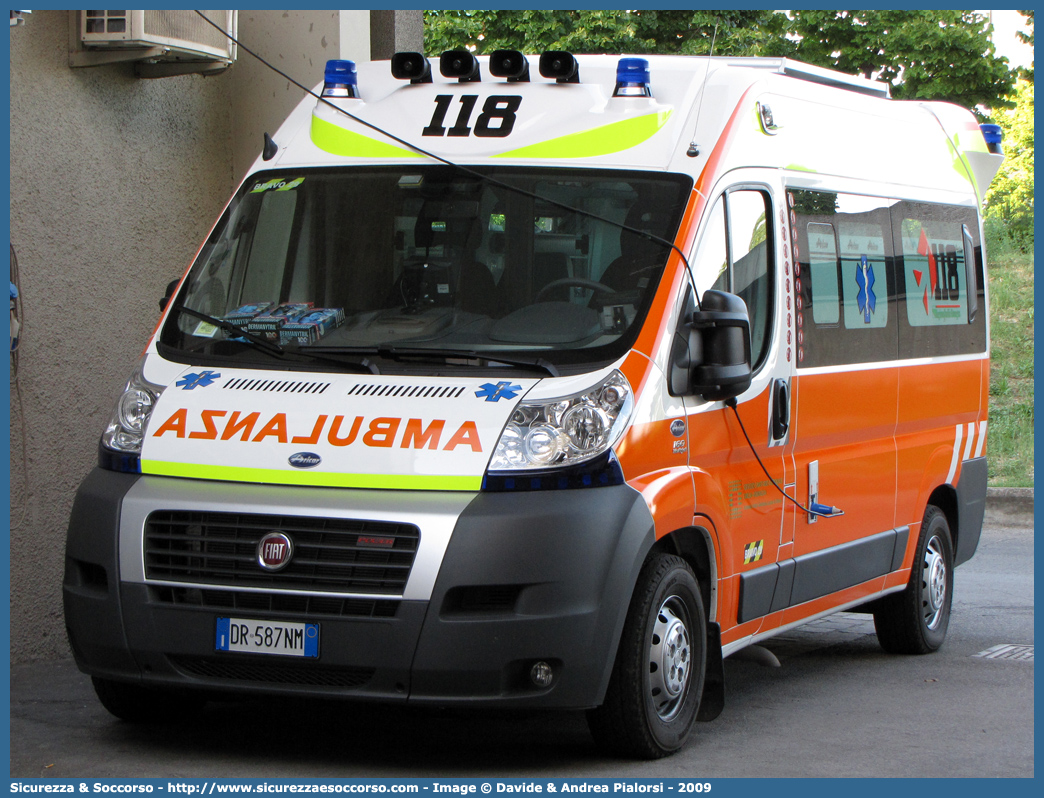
(413, 67)
(510, 64)
(459, 64)
(560, 65)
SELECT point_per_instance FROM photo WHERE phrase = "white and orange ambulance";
(548, 382)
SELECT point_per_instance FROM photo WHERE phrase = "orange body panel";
(933, 400)
(845, 421)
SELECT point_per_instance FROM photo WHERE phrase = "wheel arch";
(694, 544)
(945, 498)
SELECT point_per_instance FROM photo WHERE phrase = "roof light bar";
(413, 67)
(560, 65)
(341, 79)
(510, 64)
(632, 78)
(460, 64)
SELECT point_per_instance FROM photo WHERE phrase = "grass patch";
(1010, 442)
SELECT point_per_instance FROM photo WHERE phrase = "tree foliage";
(739, 32)
(1027, 38)
(937, 55)
(1010, 197)
(923, 55)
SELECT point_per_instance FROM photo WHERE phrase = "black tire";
(657, 680)
(137, 704)
(915, 621)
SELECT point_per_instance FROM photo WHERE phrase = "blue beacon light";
(993, 135)
(632, 78)
(341, 80)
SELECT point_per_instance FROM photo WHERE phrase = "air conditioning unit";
(157, 37)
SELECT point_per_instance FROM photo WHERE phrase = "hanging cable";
(814, 508)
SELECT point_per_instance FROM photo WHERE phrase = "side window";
(735, 255)
(749, 258)
(711, 261)
(844, 281)
(940, 280)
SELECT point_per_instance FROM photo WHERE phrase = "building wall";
(114, 182)
(297, 42)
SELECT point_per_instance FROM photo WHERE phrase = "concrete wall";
(297, 42)
(395, 31)
(114, 183)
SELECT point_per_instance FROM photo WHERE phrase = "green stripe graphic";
(312, 478)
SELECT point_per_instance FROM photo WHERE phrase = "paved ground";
(837, 706)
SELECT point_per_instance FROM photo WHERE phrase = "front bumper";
(501, 581)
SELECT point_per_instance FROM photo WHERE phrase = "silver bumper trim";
(435, 513)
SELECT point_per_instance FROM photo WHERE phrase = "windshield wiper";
(399, 354)
(233, 330)
(273, 348)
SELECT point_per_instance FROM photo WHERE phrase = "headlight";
(565, 431)
(131, 416)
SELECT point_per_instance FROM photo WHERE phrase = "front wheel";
(915, 621)
(657, 680)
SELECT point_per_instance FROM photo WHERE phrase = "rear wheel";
(137, 704)
(654, 691)
(915, 621)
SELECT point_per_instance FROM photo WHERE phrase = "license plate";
(267, 637)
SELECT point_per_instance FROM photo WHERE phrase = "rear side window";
(878, 279)
(941, 280)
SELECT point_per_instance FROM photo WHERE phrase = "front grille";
(252, 670)
(332, 555)
(275, 605)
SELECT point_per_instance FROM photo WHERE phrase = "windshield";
(430, 260)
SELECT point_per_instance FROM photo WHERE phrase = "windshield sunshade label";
(277, 184)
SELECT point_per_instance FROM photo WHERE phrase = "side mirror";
(168, 293)
(714, 361)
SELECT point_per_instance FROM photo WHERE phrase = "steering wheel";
(578, 282)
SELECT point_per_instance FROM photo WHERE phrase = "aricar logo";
(304, 460)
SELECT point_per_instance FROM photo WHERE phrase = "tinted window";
(560, 262)
(844, 281)
(735, 254)
(941, 280)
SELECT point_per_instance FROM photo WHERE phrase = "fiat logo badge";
(274, 551)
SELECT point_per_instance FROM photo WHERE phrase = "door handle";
(780, 409)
